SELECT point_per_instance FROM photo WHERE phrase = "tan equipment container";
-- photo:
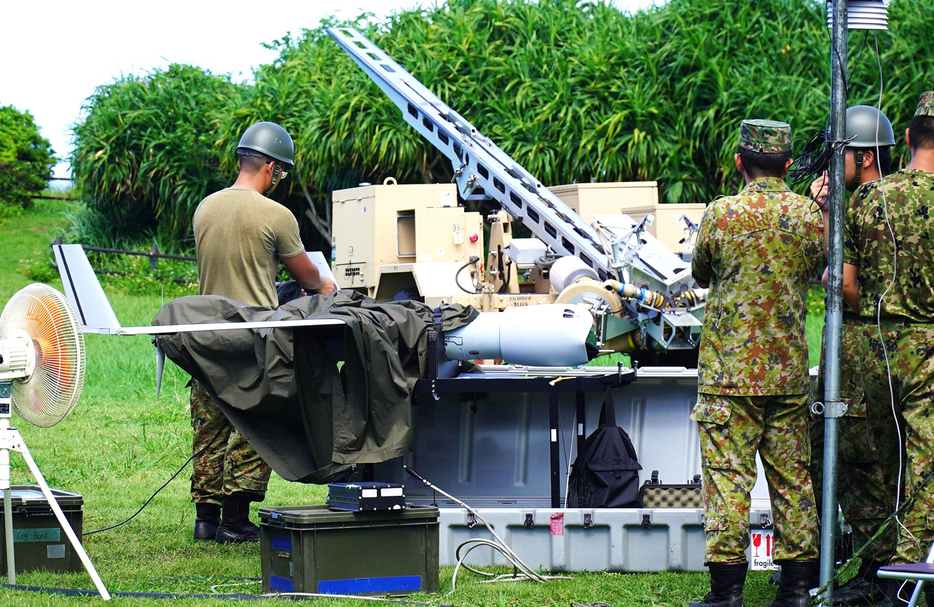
(634, 198)
(388, 239)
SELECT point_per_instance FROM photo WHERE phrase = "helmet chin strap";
(276, 173)
(859, 166)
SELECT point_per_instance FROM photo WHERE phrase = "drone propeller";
(160, 365)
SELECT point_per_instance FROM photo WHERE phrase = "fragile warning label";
(761, 543)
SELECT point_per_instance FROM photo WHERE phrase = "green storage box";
(39, 542)
(378, 553)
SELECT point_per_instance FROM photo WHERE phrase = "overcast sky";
(55, 53)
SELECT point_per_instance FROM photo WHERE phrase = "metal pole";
(6, 392)
(5, 485)
(833, 408)
(62, 520)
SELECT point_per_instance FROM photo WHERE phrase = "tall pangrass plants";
(572, 90)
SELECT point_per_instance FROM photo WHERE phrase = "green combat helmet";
(270, 139)
(867, 127)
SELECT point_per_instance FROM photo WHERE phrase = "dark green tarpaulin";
(305, 414)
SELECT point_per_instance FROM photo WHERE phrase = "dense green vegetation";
(147, 154)
(572, 90)
(26, 160)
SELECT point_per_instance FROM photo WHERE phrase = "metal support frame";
(477, 161)
(11, 440)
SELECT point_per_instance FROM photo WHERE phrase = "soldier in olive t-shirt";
(240, 236)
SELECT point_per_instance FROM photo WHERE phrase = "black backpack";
(606, 471)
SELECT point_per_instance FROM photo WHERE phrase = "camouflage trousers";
(868, 450)
(902, 373)
(732, 429)
(224, 462)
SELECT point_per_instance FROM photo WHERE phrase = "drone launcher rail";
(478, 162)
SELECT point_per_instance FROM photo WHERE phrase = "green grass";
(122, 443)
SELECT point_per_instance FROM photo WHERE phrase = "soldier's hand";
(820, 191)
(327, 287)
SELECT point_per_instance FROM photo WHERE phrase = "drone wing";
(96, 315)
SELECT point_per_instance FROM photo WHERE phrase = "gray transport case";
(576, 539)
(493, 454)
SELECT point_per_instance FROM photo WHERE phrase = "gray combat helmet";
(270, 139)
(867, 127)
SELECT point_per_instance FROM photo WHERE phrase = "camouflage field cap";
(765, 136)
(926, 104)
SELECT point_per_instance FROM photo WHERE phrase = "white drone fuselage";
(544, 335)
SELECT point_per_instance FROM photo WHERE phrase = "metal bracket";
(11, 439)
(626, 246)
(692, 229)
(832, 409)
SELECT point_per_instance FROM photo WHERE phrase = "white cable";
(521, 571)
(345, 597)
(215, 587)
(572, 451)
(498, 544)
(885, 353)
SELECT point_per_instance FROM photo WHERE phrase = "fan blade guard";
(47, 395)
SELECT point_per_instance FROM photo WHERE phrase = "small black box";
(356, 497)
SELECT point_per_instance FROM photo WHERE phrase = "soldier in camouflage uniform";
(888, 274)
(868, 441)
(240, 238)
(758, 252)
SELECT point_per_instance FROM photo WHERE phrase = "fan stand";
(11, 440)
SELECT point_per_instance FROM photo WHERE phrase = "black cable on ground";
(146, 595)
(231, 597)
(164, 485)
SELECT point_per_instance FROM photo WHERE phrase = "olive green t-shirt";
(240, 236)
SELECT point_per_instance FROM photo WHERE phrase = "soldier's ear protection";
(277, 175)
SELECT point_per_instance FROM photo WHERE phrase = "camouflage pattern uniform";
(221, 471)
(896, 295)
(868, 445)
(759, 251)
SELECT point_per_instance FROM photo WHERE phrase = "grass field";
(122, 443)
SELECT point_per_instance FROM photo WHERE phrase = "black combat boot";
(726, 585)
(863, 589)
(797, 580)
(207, 518)
(235, 525)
